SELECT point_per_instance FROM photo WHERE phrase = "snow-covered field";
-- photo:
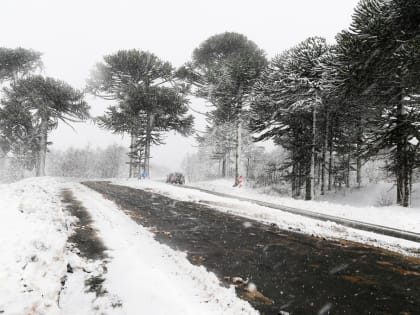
(406, 219)
(141, 276)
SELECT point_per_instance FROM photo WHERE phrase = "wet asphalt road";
(294, 273)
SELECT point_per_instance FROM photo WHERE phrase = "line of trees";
(332, 107)
(108, 162)
(149, 98)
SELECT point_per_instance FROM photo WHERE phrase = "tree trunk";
(324, 151)
(318, 170)
(401, 157)
(37, 165)
(149, 129)
(130, 175)
(348, 170)
(323, 167)
(299, 179)
(294, 180)
(407, 169)
(410, 184)
(330, 157)
(224, 166)
(312, 174)
(238, 151)
(406, 200)
(358, 153)
(140, 158)
(238, 133)
(308, 182)
(399, 191)
(358, 170)
(42, 148)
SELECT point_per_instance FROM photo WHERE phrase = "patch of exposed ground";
(85, 241)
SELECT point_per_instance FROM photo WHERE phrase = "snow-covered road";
(41, 273)
(151, 278)
(282, 270)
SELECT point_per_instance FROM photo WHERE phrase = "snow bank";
(287, 220)
(365, 204)
(33, 235)
(149, 277)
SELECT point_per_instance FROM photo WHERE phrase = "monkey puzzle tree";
(15, 63)
(385, 62)
(287, 104)
(124, 118)
(223, 70)
(43, 102)
(146, 88)
(18, 137)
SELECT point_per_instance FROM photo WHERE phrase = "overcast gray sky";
(74, 35)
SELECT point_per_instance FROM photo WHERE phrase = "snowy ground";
(141, 276)
(406, 219)
(356, 204)
(33, 236)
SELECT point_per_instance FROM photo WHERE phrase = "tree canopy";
(17, 61)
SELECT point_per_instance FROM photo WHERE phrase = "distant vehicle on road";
(175, 178)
